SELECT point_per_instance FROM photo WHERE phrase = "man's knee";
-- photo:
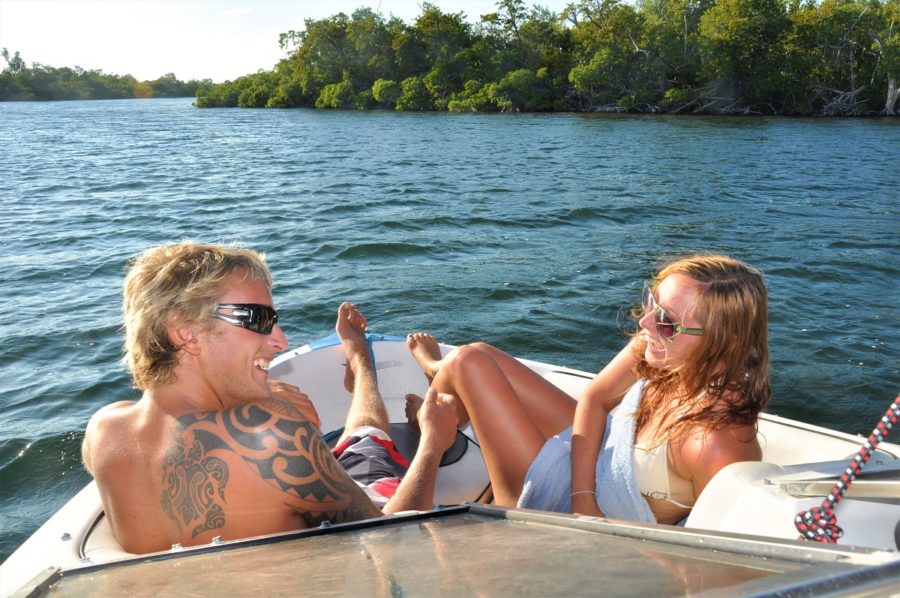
(366, 420)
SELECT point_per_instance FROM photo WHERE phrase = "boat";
(740, 538)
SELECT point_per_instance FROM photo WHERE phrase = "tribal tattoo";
(194, 483)
(282, 447)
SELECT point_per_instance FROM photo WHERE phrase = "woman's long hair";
(725, 380)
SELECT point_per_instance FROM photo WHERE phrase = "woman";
(688, 386)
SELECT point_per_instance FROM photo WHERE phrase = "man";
(211, 449)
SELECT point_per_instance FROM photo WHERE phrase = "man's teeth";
(262, 364)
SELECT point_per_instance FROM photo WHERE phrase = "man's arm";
(437, 421)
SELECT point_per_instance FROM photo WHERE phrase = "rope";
(819, 524)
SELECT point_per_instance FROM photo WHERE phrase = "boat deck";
(482, 550)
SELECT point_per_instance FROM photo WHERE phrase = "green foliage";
(386, 92)
(523, 91)
(677, 98)
(286, 95)
(741, 44)
(255, 96)
(337, 95)
(685, 56)
(19, 82)
(414, 95)
(13, 65)
(474, 97)
(608, 74)
(364, 100)
(249, 91)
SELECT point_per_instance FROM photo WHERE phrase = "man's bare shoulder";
(108, 434)
(113, 412)
(116, 415)
(276, 445)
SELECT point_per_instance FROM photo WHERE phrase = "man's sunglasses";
(252, 316)
(665, 325)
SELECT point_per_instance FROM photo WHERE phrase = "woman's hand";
(585, 504)
(300, 400)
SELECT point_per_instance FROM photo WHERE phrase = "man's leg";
(366, 407)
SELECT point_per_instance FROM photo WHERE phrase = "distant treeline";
(19, 82)
(801, 57)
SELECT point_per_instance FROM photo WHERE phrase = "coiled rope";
(819, 524)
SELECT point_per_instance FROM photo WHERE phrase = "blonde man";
(213, 447)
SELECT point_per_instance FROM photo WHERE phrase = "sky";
(195, 39)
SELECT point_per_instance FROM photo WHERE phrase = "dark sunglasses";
(252, 316)
(665, 325)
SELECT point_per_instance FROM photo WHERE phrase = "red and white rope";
(819, 524)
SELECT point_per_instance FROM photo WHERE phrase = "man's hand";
(295, 397)
(437, 421)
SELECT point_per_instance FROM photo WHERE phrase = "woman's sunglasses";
(665, 326)
(252, 316)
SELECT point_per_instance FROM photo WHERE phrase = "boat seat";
(100, 545)
(760, 498)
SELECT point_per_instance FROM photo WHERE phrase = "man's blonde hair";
(179, 283)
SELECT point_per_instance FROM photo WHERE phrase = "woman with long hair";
(679, 402)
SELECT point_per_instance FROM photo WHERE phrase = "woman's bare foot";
(427, 352)
(413, 404)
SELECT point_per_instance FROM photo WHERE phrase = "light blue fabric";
(548, 483)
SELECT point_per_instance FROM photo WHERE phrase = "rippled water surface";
(530, 231)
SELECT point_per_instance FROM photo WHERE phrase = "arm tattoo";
(283, 448)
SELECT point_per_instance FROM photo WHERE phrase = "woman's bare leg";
(551, 410)
(549, 407)
(510, 439)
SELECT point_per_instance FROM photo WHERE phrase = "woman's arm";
(699, 455)
(600, 397)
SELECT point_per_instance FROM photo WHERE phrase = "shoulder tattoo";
(281, 446)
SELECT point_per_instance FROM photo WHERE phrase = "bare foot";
(427, 352)
(413, 404)
(351, 329)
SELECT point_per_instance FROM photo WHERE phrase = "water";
(532, 232)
